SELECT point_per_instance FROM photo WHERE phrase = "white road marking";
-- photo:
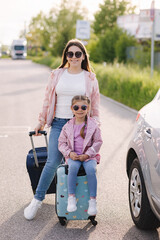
(4, 136)
(5, 130)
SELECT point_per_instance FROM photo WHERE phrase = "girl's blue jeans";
(53, 161)
(90, 169)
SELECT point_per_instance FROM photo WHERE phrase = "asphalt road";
(22, 85)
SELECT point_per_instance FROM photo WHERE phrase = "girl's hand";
(83, 157)
(73, 156)
(37, 128)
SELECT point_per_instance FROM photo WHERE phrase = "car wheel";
(140, 209)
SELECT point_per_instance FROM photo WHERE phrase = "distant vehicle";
(143, 167)
(19, 49)
(0, 50)
(5, 53)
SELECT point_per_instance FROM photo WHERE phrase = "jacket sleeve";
(43, 115)
(97, 142)
(63, 143)
(95, 100)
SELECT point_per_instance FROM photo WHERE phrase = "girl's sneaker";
(31, 211)
(71, 207)
(92, 209)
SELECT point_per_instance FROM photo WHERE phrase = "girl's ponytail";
(83, 128)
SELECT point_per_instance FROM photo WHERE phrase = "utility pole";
(152, 17)
(25, 29)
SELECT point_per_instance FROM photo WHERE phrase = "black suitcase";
(36, 159)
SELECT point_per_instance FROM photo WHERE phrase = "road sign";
(82, 29)
(152, 12)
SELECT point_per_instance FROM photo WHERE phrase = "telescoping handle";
(33, 133)
(34, 151)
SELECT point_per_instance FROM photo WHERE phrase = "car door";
(151, 143)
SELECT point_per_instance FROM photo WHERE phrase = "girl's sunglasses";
(77, 54)
(76, 107)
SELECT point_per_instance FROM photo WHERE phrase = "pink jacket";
(49, 104)
(92, 141)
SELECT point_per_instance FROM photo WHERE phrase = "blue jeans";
(90, 169)
(53, 160)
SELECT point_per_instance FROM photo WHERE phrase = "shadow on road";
(72, 233)
(45, 226)
(20, 92)
(135, 233)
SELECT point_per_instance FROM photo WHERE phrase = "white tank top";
(68, 86)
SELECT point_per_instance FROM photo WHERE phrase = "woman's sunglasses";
(77, 54)
(76, 107)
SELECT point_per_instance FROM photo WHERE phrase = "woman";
(73, 77)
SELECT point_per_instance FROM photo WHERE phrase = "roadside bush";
(55, 64)
(143, 58)
(48, 60)
(122, 43)
(107, 44)
(138, 54)
(93, 47)
(129, 85)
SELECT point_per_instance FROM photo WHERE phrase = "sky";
(15, 15)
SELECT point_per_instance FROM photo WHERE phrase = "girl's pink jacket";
(49, 104)
(91, 144)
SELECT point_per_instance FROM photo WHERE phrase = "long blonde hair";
(81, 98)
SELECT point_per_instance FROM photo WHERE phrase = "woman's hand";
(37, 128)
(73, 156)
(83, 157)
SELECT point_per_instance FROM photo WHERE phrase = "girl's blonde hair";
(81, 98)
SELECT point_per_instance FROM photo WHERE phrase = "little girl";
(80, 141)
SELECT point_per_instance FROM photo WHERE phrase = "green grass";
(5, 56)
(128, 84)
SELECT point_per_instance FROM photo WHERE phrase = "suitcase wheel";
(93, 221)
(62, 221)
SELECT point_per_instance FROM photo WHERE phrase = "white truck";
(19, 49)
(0, 50)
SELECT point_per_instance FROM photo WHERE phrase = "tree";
(65, 24)
(93, 48)
(52, 32)
(122, 43)
(107, 44)
(38, 35)
(106, 17)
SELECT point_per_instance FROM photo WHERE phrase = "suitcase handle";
(33, 133)
(34, 151)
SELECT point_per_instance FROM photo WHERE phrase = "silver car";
(143, 167)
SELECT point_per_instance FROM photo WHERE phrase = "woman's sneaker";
(92, 209)
(31, 211)
(71, 207)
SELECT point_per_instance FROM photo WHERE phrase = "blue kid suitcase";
(82, 196)
(36, 159)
